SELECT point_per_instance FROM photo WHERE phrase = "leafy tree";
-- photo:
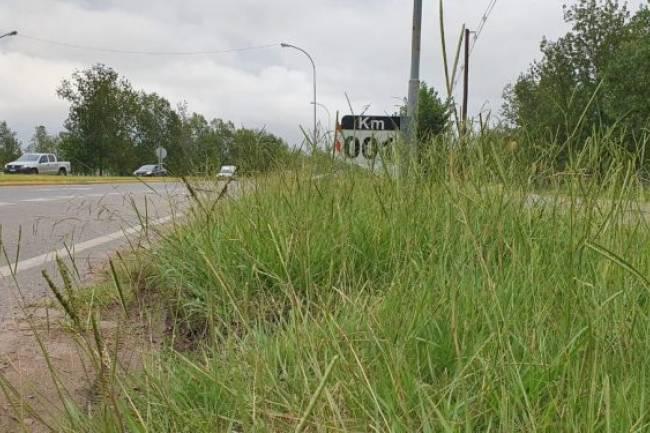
(226, 131)
(204, 149)
(432, 114)
(592, 77)
(256, 150)
(42, 142)
(113, 129)
(157, 125)
(626, 88)
(100, 121)
(9, 144)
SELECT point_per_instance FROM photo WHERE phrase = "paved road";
(92, 220)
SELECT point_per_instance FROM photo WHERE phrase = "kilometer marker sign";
(361, 138)
(371, 123)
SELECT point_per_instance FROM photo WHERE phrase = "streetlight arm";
(313, 65)
(13, 33)
(285, 45)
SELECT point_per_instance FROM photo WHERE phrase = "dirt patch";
(26, 371)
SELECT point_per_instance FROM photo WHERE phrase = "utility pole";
(414, 82)
(466, 83)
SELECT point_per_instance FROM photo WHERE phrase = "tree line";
(112, 129)
(594, 79)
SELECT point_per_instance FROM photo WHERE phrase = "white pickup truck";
(38, 163)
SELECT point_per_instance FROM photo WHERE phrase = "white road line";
(6, 204)
(101, 194)
(37, 200)
(62, 188)
(46, 199)
(43, 259)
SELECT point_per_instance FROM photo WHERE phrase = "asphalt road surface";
(92, 221)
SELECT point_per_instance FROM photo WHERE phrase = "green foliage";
(594, 77)
(434, 297)
(9, 144)
(99, 122)
(627, 91)
(42, 142)
(155, 124)
(111, 128)
(257, 151)
(433, 114)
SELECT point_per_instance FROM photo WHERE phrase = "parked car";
(151, 170)
(38, 163)
(227, 172)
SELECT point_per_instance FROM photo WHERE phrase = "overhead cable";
(144, 52)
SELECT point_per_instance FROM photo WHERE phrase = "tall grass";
(454, 299)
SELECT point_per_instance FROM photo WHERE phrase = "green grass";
(442, 302)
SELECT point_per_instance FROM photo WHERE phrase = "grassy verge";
(19, 180)
(441, 302)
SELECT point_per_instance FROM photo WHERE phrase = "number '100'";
(369, 147)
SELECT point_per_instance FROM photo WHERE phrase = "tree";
(100, 121)
(256, 150)
(205, 149)
(432, 114)
(113, 128)
(157, 125)
(9, 144)
(626, 92)
(42, 142)
(587, 78)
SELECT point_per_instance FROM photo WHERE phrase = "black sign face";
(371, 123)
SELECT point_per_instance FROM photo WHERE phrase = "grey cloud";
(360, 46)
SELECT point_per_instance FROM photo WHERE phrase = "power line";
(144, 53)
(477, 33)
(483, 22)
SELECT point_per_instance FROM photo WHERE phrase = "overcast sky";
(360, 47)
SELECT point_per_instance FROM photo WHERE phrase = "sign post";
(364, 139)
(161, 153)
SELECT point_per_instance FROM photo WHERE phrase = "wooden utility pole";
(466, 83)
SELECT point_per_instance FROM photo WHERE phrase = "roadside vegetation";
(501, 283)
(112, 129)
(455, 299)
(591, 79)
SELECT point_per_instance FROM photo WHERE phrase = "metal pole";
(313, 65)
(414, 82)
(14, 33)
(466, 84)
(329, 115)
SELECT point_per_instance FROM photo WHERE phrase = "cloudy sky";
(360, 47)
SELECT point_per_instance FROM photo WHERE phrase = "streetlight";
(329, 115)
(329, 119)
(14, 33)
(285, 45)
